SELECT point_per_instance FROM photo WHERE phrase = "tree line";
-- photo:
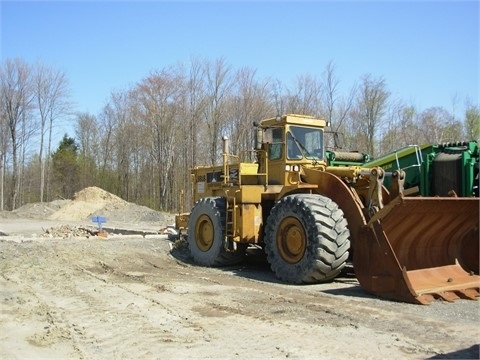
(144, 141)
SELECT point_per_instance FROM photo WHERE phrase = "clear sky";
(427, 51)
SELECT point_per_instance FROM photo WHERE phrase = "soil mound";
(34, 210)
(95, 194)
(89, 202)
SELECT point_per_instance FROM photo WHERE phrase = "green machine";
(447, 169)
(451, 166)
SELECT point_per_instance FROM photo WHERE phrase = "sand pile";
(88, 202)
(95, 194)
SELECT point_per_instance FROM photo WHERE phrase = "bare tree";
(432, 123)
(278, 98)
(336, 107)
(398, 128)
(157, 96)
(106, 149)
(4, 146)
(125, 142)
(248, 102)
(28, 128)
(51, 93)
(195, 105)
(86, 132)
(305, 97)
(218, 86)
(472, 122)
(16, 97)
(330, 92)
(371, 106)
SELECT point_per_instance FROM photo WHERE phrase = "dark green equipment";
(447, 169)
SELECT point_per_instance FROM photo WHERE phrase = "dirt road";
(129, 297)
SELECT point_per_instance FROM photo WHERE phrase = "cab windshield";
(303, 142)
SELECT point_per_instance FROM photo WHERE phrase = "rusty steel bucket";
(417, 249)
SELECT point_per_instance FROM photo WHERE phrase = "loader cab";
(291, 141)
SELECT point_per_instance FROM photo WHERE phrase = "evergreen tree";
(66, 168)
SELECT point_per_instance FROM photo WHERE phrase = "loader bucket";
(418, 249)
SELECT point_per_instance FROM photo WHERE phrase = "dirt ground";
(136, 295)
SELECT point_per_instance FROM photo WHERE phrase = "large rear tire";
(206, 233)
(306, 239)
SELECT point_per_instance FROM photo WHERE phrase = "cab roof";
(294, 119)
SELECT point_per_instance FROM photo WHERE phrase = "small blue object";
(99, 220)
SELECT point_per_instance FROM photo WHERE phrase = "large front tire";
(306, 239)
(206, 233)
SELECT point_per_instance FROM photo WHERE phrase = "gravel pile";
(39, 210)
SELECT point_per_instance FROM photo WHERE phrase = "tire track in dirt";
(117, 323)
(47, 324)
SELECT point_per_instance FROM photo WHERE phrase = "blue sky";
(427, 51)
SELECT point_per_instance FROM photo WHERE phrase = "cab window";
(275, 148)
(304, 142)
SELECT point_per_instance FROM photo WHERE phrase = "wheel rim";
(204, 233)
(291, 240)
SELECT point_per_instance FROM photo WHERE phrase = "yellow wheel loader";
(311, 217)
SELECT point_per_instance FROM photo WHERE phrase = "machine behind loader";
(310, 217)
(435, 170)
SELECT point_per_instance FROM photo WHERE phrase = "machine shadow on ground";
(472, 352)
(256, 267)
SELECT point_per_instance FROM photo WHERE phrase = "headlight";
(292, 168)
(287, 167)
